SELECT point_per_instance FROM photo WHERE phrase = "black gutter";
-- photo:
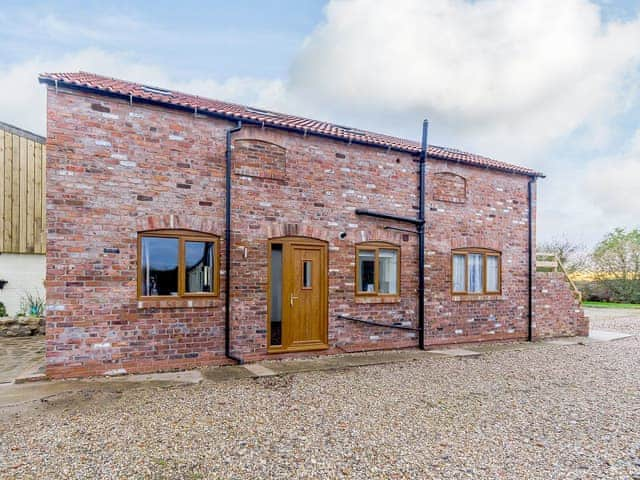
(377, 324)
(388, 216)
(227, 249)
(532, 180)
(421, 194)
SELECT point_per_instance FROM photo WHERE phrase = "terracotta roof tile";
(240, 112)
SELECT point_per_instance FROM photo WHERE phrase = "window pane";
(388, 270)
(276, 294)
(306, 274)
(459, 275)
(198, 258)
(366, 267)
(475, 272)
(492, 273)
(159, 266)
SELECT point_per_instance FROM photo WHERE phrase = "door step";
(258, 370)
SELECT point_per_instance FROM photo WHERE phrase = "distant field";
(610, 305)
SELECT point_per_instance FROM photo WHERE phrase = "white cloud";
(584, 202)
(23, 100)
(506, 76)
(612, 185)
(514, 79)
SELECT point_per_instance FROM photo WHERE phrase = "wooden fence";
(22, 191)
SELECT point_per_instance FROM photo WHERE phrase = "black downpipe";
(420, 226)
(227, 250)
(530, 251)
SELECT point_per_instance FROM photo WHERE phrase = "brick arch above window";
(379, 243)
(331, 234)
(476, 248)
(449, 187)
(389, 236)
(276, 230)
(478, 241)
(178, 222)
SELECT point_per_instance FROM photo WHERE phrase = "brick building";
(319, 248)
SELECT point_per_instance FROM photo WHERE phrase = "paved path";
(20, 355)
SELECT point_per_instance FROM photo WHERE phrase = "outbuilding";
(22, 220)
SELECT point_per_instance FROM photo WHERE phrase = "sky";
(550, 85)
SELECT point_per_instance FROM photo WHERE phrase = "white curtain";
(388, 265)
(459, 273)
(475, 273)
(492, 274)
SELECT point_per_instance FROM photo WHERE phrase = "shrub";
(32, 304)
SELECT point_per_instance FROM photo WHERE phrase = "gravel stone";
(569, 412)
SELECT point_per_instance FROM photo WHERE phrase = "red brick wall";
(558, 312)
(113, 171)
(116, 169)
(494, 215)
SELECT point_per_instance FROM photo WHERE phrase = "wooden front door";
(303, 297)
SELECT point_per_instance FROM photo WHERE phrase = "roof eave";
(233, 117)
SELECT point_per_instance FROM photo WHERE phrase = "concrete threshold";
(455, 352)
(258, 370)
(269, 368)
(564, 341)
(595, 336)
(607, 336)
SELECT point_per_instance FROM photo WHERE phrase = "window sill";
(183, 302)
(477, 298)
(377, 299)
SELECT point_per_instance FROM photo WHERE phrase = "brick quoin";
(116, 168)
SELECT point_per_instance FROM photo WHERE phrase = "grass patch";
(610, 305)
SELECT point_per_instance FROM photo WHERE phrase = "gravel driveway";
(570, 412)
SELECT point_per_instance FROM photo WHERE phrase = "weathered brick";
(283, 184)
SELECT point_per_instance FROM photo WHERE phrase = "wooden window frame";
(376, 246)
(182, 236)
(485, 252)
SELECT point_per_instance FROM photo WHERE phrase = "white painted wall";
(23, 272)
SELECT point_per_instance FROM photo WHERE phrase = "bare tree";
(572, 255)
